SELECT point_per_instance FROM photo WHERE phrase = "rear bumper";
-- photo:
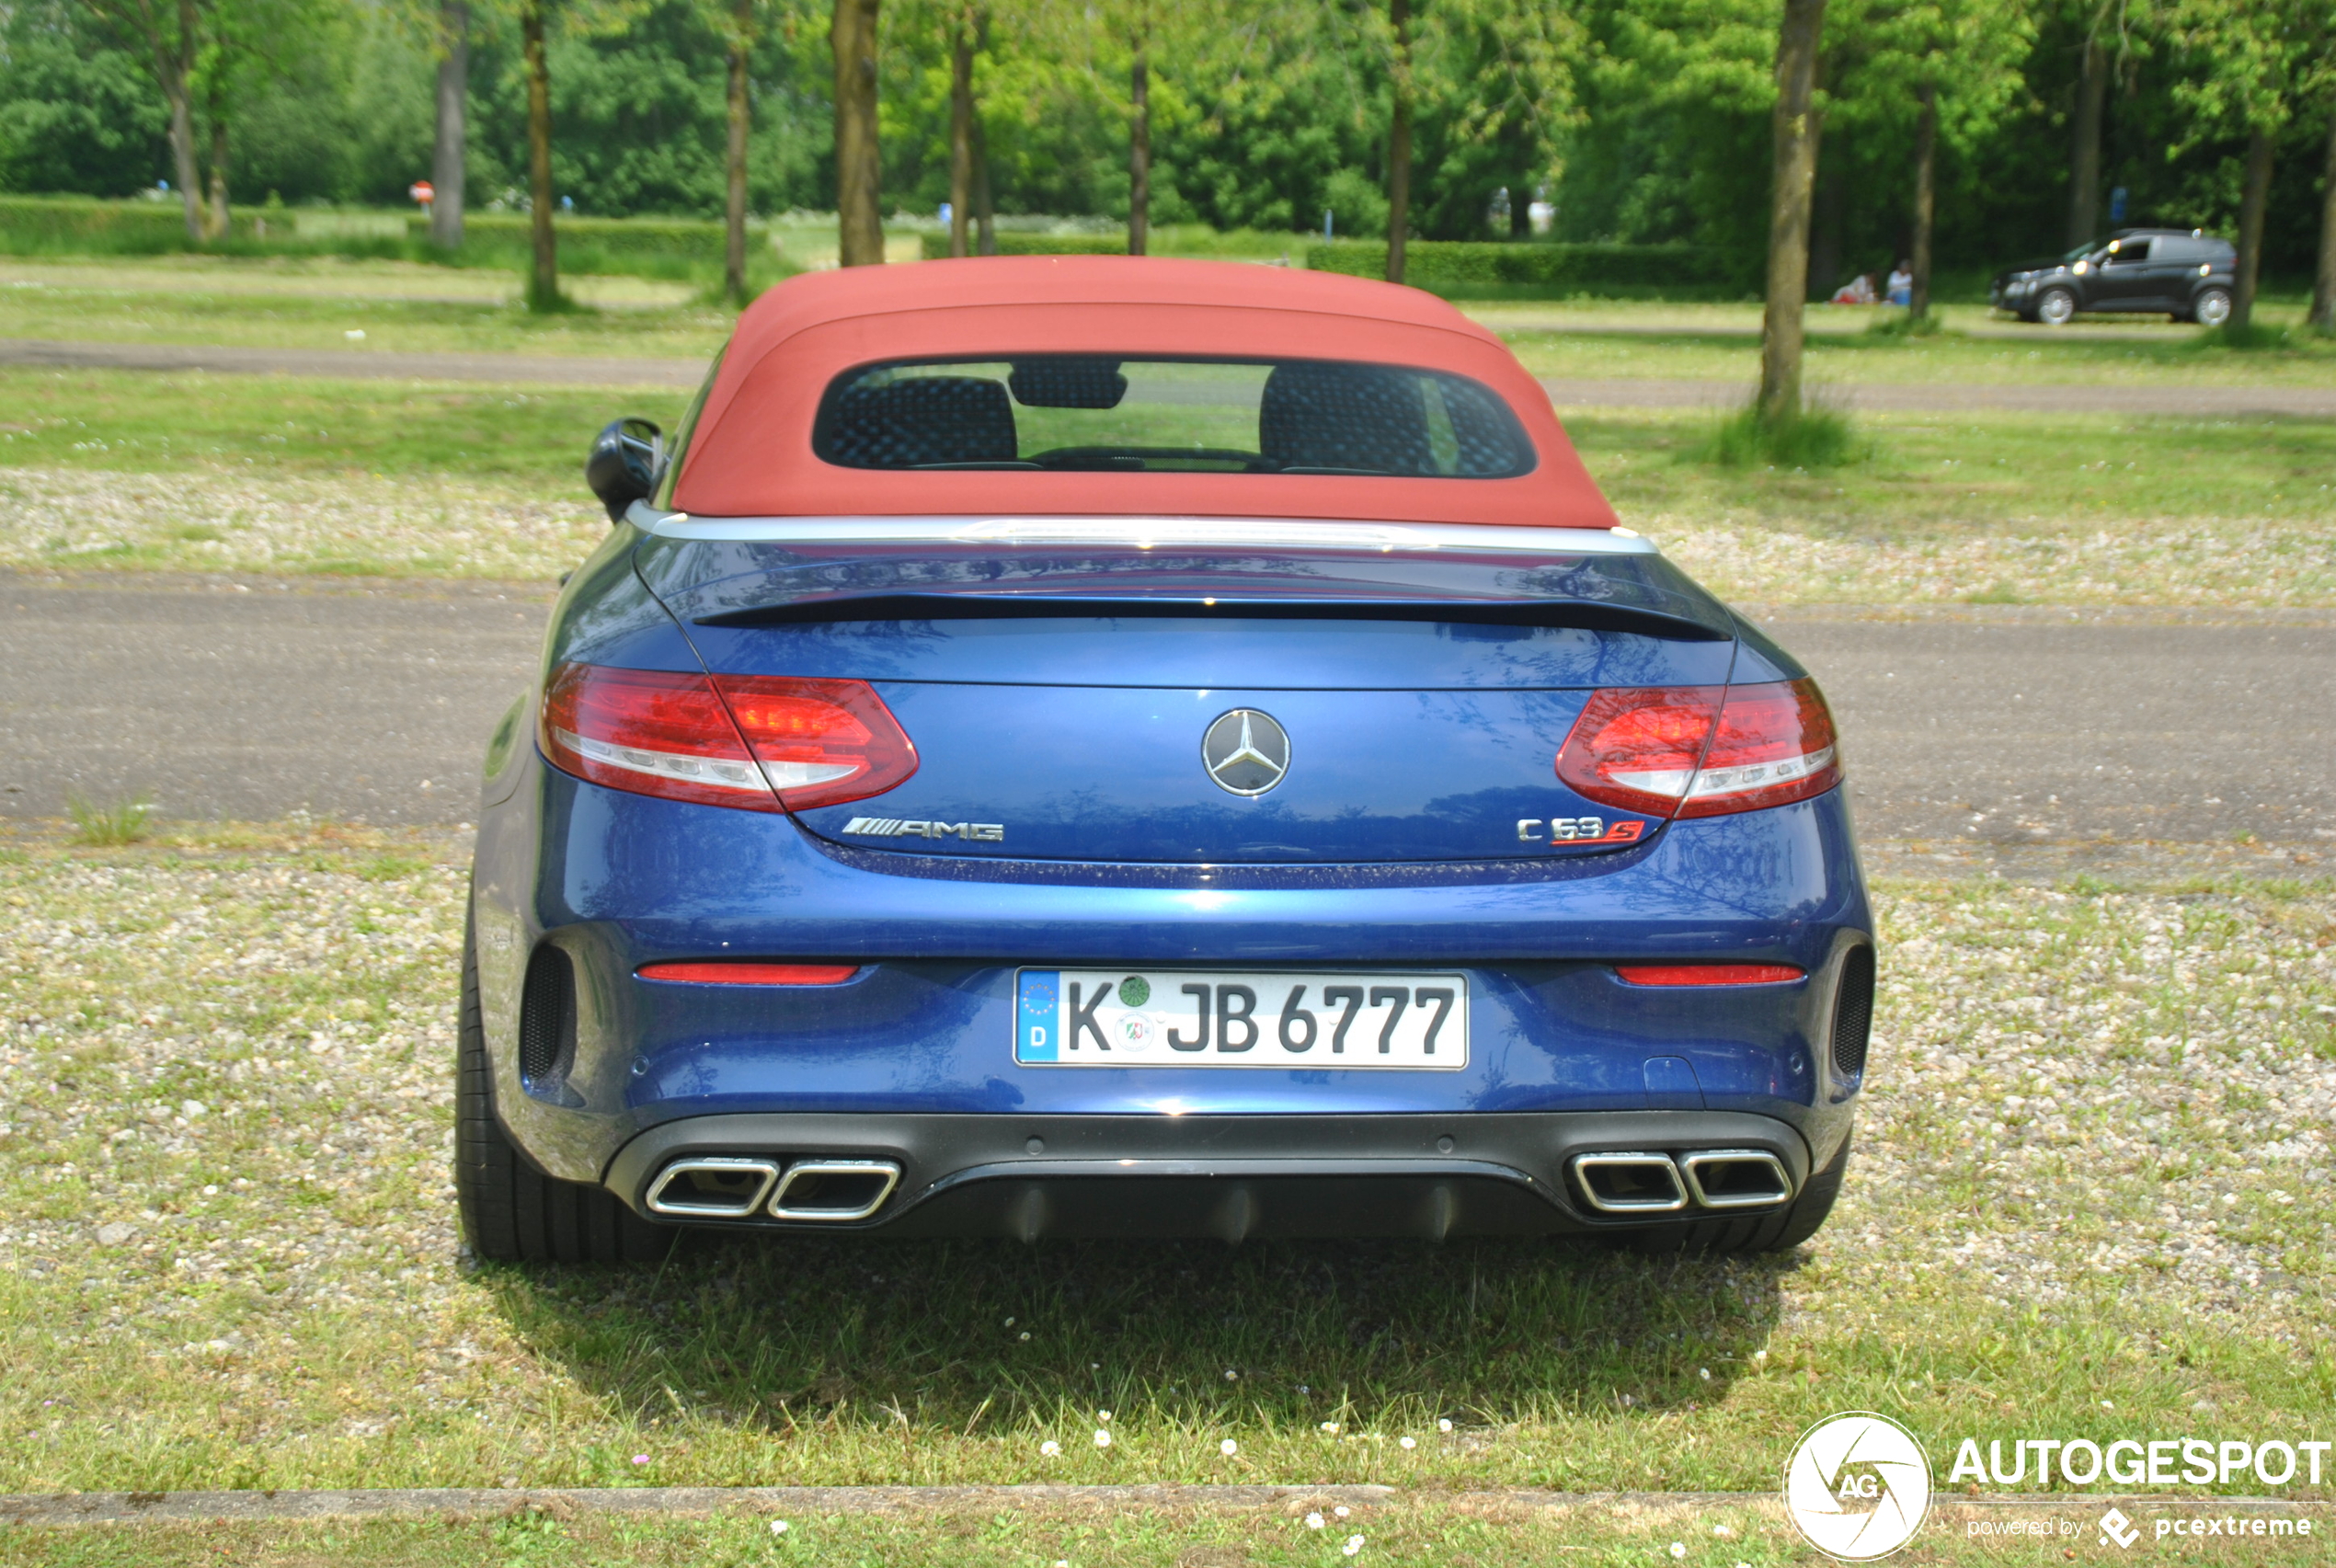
(1232, 1177)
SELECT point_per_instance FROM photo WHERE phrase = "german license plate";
(1196, 1018)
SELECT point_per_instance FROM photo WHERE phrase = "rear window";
(1100, 414)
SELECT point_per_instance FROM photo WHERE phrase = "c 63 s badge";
(900, 828)
(1581, 830)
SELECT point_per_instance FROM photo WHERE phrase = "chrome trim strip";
(1143, 532)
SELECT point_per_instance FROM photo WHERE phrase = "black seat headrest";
(1343, 415)
(918, 420)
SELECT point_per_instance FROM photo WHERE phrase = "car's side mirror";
(626, 460)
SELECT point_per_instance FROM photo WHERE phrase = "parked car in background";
(2185, 274)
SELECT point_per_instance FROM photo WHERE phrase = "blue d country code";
(1184, 1018)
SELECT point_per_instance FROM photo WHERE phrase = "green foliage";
(111, 824)
(1812, 437)
(937, 247)
(1474, 269)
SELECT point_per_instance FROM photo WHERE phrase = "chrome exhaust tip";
(834, 1190)
(1630, 1184)
(1736, 1178)
(712, 1187)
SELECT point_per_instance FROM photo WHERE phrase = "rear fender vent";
(1853, 1014)
(548, 1017)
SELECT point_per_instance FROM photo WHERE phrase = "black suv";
(2185, 274)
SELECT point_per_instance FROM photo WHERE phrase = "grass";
(134, 422)
(1430, 1533)
(314, 305)
(129, 470)
(1603, 341)
(110, 825)
(1809, 438)
(2093, 1168)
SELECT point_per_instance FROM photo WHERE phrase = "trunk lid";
(1150, 706)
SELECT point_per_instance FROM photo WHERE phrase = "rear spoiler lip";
(1568, 613)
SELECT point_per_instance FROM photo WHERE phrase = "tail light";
(763, 743)
(1703, 751)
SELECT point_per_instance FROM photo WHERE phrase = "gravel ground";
(225, 1227)
(2191, 563)
(222, 522)
(208, 522)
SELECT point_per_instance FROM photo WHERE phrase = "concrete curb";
(488, 1503)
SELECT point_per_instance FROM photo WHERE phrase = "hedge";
(937, 247)
(1464, 267)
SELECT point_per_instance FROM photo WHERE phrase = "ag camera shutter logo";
(1858, 1486)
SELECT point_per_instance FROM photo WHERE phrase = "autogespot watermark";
(1858, 1486)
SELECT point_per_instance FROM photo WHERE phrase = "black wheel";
(2212, 307)
(1780, 1230)
(511, 1212)
(2056, 307)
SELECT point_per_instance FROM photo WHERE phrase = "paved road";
(372, 704)
(1615, 391)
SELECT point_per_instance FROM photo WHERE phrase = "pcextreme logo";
(1858, 1486)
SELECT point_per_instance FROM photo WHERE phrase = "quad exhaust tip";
(1736, 1178)
(1631, 1184)
(834, 1189)
(732, 1186)
(713, 1187)
(1646, 1182)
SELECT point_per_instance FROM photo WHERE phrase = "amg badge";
(897, 827)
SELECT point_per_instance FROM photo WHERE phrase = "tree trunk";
(985, 214)
(1399, 140)
(219, 224)
(1520, 212)
(2251, 202)
(1795, 158)
(182, 156)
(174, 64)
(2084, 144)
(859, 170)
(961, 137)
(1926, 164)
(2324, 281)
(544, 278)
(1139, 148)
(742, 109)
(448, 159)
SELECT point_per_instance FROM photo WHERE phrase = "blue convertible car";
(1103, 746)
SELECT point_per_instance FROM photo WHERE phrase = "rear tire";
(1780, 1230)
(2211, 308)
(511, 1212)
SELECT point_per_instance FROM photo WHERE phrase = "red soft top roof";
(750, 455)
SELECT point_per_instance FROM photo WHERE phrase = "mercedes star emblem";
(1245, 752)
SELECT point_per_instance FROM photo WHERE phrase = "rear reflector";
(1707, 974)
(727, 972)
(761, 742)
(1702, 751)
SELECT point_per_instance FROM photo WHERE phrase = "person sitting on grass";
(1858, 290)
(1902, 284)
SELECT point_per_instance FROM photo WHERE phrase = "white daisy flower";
(1103, 1438)
(1228, 1447)
(1313, 1521)
(1050, 1447)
